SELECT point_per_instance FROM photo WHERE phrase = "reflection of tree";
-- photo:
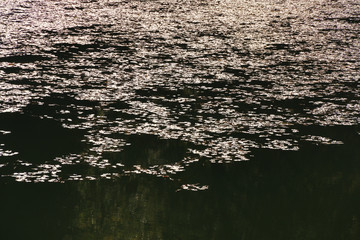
(308, 195)
(149, 150)
(132, 208)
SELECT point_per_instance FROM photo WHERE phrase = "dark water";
(235, 119)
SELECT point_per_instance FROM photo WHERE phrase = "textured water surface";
(164, 119)
(98, 89)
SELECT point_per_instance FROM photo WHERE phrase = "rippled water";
(93, 90)
(178, 81)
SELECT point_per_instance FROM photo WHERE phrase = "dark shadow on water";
(149, 150)
(38, 140)
(311, 194)
(23, 58)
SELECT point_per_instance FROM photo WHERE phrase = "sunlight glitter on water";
(209, 81)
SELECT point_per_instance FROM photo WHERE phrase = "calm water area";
(179, 119)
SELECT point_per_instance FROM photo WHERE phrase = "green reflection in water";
(311, 194)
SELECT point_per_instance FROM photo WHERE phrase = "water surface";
(235, 119)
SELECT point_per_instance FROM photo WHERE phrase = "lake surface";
(164, 119)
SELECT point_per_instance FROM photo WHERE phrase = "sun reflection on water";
(207, 81)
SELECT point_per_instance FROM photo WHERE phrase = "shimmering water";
(163, 119)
